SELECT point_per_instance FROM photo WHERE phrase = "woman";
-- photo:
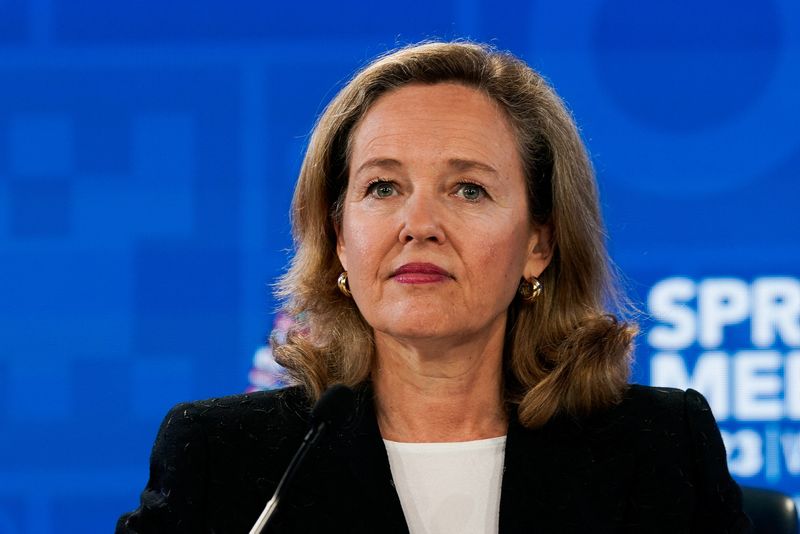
(450, 266)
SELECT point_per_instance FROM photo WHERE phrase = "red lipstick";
(420, 273)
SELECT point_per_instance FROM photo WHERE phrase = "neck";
(438, 391)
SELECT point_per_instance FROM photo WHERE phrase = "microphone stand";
(331, 410)
(308, 441)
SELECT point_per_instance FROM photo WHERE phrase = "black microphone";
(331, 410)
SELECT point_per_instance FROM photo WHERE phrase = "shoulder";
(191, 430)
(205, 456)
(655, 461)
(269, 413)
(661, 418)
(638, 396)
(681, 454)
(662, 405)
(284, 404)
(669, 431)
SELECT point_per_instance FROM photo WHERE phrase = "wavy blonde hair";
(564, 352)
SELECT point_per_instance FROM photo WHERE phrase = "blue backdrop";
(148, 152)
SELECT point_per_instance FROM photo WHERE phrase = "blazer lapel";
(567, 476)
(527, 477)
(346, 483)
(365, 455)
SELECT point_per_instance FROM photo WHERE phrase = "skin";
(436, 178)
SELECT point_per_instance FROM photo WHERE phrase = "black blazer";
(653, 463)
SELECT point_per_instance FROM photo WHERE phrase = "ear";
(540, 250)
(341, 250)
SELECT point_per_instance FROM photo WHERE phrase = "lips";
(420, 273)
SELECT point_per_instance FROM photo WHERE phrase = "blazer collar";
(551, 472)
(563, 475)
(368, 463)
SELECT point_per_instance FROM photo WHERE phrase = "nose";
(421, 220)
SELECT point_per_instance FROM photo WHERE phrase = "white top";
(449, 487)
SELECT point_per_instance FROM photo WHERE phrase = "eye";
(471, 192)
(381, 189)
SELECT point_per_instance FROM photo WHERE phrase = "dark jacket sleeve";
(719, 499)
(173, 500)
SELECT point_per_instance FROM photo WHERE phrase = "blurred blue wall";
(148, 152)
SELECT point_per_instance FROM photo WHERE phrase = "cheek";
(501, 261)
(364, 246)
(502, 253)
(501, 242)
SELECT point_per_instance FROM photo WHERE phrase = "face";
(435, 234)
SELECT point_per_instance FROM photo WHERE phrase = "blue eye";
(471, 192)
(381, 189)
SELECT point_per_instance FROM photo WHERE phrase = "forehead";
(444, 117)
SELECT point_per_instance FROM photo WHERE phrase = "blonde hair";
(564, 352)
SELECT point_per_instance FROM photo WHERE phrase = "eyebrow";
(379, 163)
(469, 165)
(458, 164)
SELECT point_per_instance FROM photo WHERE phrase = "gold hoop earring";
(530, 289)
(342, 283)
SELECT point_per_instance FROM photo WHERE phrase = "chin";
(422, 326)
(421, 333)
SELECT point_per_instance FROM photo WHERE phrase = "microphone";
(331, 410)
